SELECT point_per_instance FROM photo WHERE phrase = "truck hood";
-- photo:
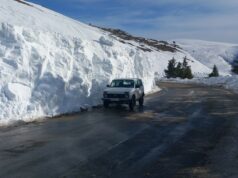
(118, 90)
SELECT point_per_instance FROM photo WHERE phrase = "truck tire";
(141, 100)
(105, 104)
(132, 103)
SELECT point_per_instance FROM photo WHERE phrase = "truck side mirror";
(108, 86)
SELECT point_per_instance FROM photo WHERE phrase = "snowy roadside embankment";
(51, 64)
(45, 74)
(228, 82)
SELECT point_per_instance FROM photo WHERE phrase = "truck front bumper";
(117, 100)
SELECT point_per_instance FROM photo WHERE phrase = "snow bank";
(51, 64)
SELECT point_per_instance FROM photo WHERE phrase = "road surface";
(182, 131)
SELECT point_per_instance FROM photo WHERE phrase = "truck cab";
(124, 91)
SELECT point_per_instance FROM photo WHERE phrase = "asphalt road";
(182, 131)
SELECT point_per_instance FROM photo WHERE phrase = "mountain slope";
(51, 64)
(210, 53)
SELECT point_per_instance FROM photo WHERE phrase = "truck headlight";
(105, 94)
(127, 95)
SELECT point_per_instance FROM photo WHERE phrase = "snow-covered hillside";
(51, 64)
(210, 53)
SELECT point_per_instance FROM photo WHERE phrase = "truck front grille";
(116, 95)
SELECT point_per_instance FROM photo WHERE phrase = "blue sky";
(214, 20)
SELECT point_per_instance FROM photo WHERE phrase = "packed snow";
(51, 64)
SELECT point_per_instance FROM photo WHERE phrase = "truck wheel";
(141, 100)
(132, 103)
(105, 104)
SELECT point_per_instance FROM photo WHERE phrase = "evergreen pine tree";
(215, 72)
(179, 72)
(170, 72)
(184, 68)
(185, 62)
(188, 72)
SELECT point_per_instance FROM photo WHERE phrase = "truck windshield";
(122, 84)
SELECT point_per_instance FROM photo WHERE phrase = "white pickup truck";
(124, 91)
